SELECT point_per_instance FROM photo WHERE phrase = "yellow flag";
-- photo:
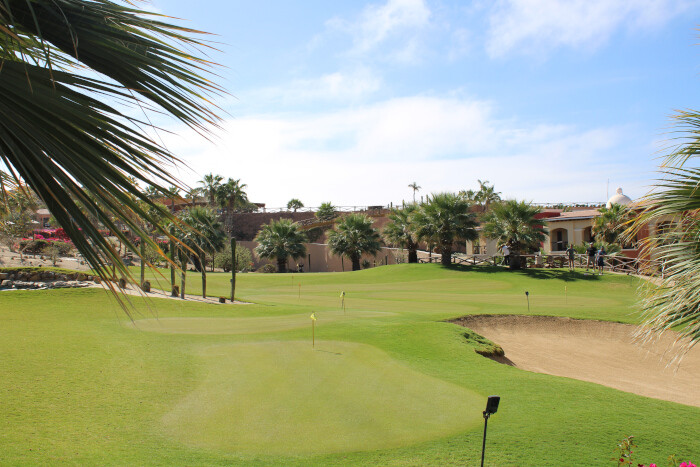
(313, 316)
(342, 294)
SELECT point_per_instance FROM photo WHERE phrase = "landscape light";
(491, 408)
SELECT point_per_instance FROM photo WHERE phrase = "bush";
(268, 268)
(244, 259)
(33, 247)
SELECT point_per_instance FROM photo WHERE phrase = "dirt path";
(596, 351)
(132, 290)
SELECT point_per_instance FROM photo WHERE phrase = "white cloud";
(379, 24)
(539, 26)
(340, 86)
(368, 155)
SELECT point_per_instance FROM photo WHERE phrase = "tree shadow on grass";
(536, 273)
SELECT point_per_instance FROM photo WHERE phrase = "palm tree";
(280, 240)
(65, 65)
(173, 192)
(353, 237)
(210, 184)
(400, 231)
(294, 204)
(204, 236)
(486, 195)
(445, 219)
(415, 188)
(152, 193)
(674, 302)
(326, 212)
(514, 223)
(232, 194)
(611, 223)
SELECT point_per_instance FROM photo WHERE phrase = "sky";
(351, 101)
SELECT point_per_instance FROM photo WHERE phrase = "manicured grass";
(79, 384)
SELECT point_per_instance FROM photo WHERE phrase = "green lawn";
(388, 382)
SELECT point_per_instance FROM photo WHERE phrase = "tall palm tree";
(281, 240)
(66, 66)
(514, 223)
(400, 231)
(486, 195)
(205, 235)
(353, 237)
(232, 193)
(210, 185)
(415, 188)
(611, 223)
(675, 301)
(445, 219)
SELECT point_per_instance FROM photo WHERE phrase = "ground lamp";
(491, 408)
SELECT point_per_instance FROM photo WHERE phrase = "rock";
(6, 283)
(146, 286)
(35, 277)
(176, 291)
(80, 277)
(122, 283)
(222, 299)
(97, 280)
(3, 275)
(60, 284)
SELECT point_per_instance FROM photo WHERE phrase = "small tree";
(326, 212)
(353, 237)
(280, 240)
(611, 223)
(14, 226)
(400, 231)
(515, 223)
(443, 220)
(294, 204)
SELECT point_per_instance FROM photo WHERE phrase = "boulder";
(146, 286)
(35, 277)
(222, 299)
(3, 276)
(7, 283)
(80, 277)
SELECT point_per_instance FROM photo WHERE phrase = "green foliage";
(294, 204)
(675, 200)
(354, 236)
(400, 231)
(611, 223)
(244, 258)
(267, 268)
(443, 220)
(513, 222)
(326, 212)
(38, 247)
(482, 345)
(66, 67)
(281, 240)
(232, 194)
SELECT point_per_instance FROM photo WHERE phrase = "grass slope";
(80, 385)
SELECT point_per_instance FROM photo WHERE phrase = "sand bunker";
(596, 351)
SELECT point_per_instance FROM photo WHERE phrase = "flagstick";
(313, 333)
(566, 295)
(299, 290)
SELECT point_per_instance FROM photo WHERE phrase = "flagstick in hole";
(300, 290)
(342, 300)
(527, 295)
(313, 330)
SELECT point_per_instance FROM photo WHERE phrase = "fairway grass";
(389, 383)
(261, 324)
(289, 398)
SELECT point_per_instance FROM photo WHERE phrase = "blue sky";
(350, 101)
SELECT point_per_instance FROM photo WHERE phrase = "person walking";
(571, 254)
(506, 254)
(590, 261)
(601, 260)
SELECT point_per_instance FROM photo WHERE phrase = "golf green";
(204, 325)
(285, 397)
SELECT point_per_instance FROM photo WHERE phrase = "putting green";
(283, 397)
(246, 325)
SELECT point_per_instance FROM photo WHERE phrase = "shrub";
(244, 259)
(268, 268)
(33, 247)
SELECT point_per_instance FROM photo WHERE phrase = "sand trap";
(253, 325)
(596, 351)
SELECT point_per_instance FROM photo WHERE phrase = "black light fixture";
(491, 408)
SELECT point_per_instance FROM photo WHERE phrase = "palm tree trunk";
(183, 277)
(355, 263)
(446, 252)
(412, 252)
(281, 264)
(204, 275)
(143, 262)
(172, 268)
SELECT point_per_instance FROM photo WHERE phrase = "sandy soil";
(596, 351)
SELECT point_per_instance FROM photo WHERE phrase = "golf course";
(382, 376)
